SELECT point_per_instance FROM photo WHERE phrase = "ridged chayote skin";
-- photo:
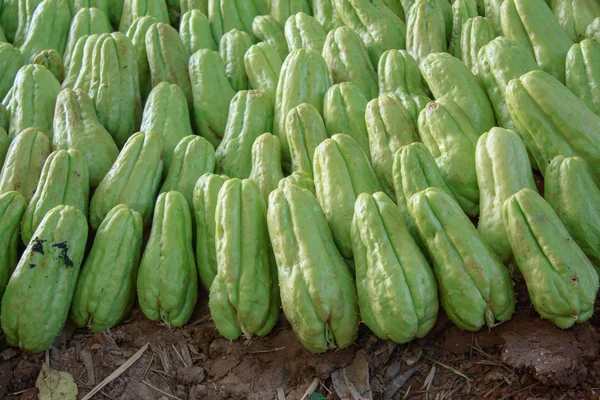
(303, 31)
(188, 5)
(24, 163)
(475, 287)
(87, 21)
(79, 69)
(553, 121)
(206, 193)
(593, 30)
(166, 112)
(571, 191)
(447, 76)
(344, 112)
(451, 138)
(583, 73)
(379, 28)
(133, 179)
(169, 252)
(4, 143)
(232, 47)
(399, 77)
(342, 172)
(462, 10)
(134, 9)
(263, 66)
(102, 5)
(531, 23)
(397, 291)
(318, 292)
(476, 33)
(76, 126)
(52, 61)
(426, 30)
(575, 16)
(12, 207)
(250, 115)
(347, 59)
(266, 29)
(227, 15)
(244, 297)
(9, 18)
(195, 33)
(114, 86)
(31, 100)
(137, 34)
(22, 16)
(105, 291)
(266, 163)
(64, 181)
(305, 130)
(561, 280)
(493, 11)
(281, 10)
(389, 127)
(193, 157)
(48, 29)
(301, 179)
(11, 61)
(415, 170)
(37, 299)
(503, 169)
(115, 12)
(168, 58)
(324, 11)
(304, 78)
(500, 61)
(212, 94)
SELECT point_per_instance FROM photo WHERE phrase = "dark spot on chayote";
(37, 245)
(64, 256)
(31, 265)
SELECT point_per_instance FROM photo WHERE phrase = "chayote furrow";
(52, 61)
(263, 66)
(11, 62)
(303, 31)
(397, 291)
(561, 280)
(206, 193)
(87, 21)
(232, 47)
(195, 32)
(134, 9)
(476, 33)
(166, 112)
(300, 179)
(426, 29)
(193, 157)
(305, 130)
(24, 162)
(169, 252)
(342, 172)
(64, 181)
(105, 291)
(570, 189)
(503, 169)
(250, 115)
(244, 296)
(137, 34)
(133, 179)
(281, 10)
(227, 15)
(583, 73)
(462, 10)
(575, 16)
(324, 11)
(318, 292)
(475, 288)
(389, 127)
(12, 207)
(267, 29)
(36, 302)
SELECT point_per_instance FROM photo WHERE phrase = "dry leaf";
(55, 385)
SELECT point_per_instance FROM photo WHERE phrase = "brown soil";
(524, 358)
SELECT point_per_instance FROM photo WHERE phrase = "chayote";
(12, 207)
(305, 130)
(266, 163)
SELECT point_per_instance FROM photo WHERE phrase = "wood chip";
(88, 362)
(311, 388)
(185, 353)
(117, 372)
(160, 391)
(398, 382)
(280, 394)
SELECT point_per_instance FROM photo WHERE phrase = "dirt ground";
(525, 358)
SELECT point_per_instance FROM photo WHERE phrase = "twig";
(520, 390)
(280, 394)
(313, 385)
(200, 321)
(179, 355)
(449, 368)
(267, 351)
(149, 365)
(407, 392)
(325, 387)
(492, 389)
(117, 372)
(161, 391)
(21, 392)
